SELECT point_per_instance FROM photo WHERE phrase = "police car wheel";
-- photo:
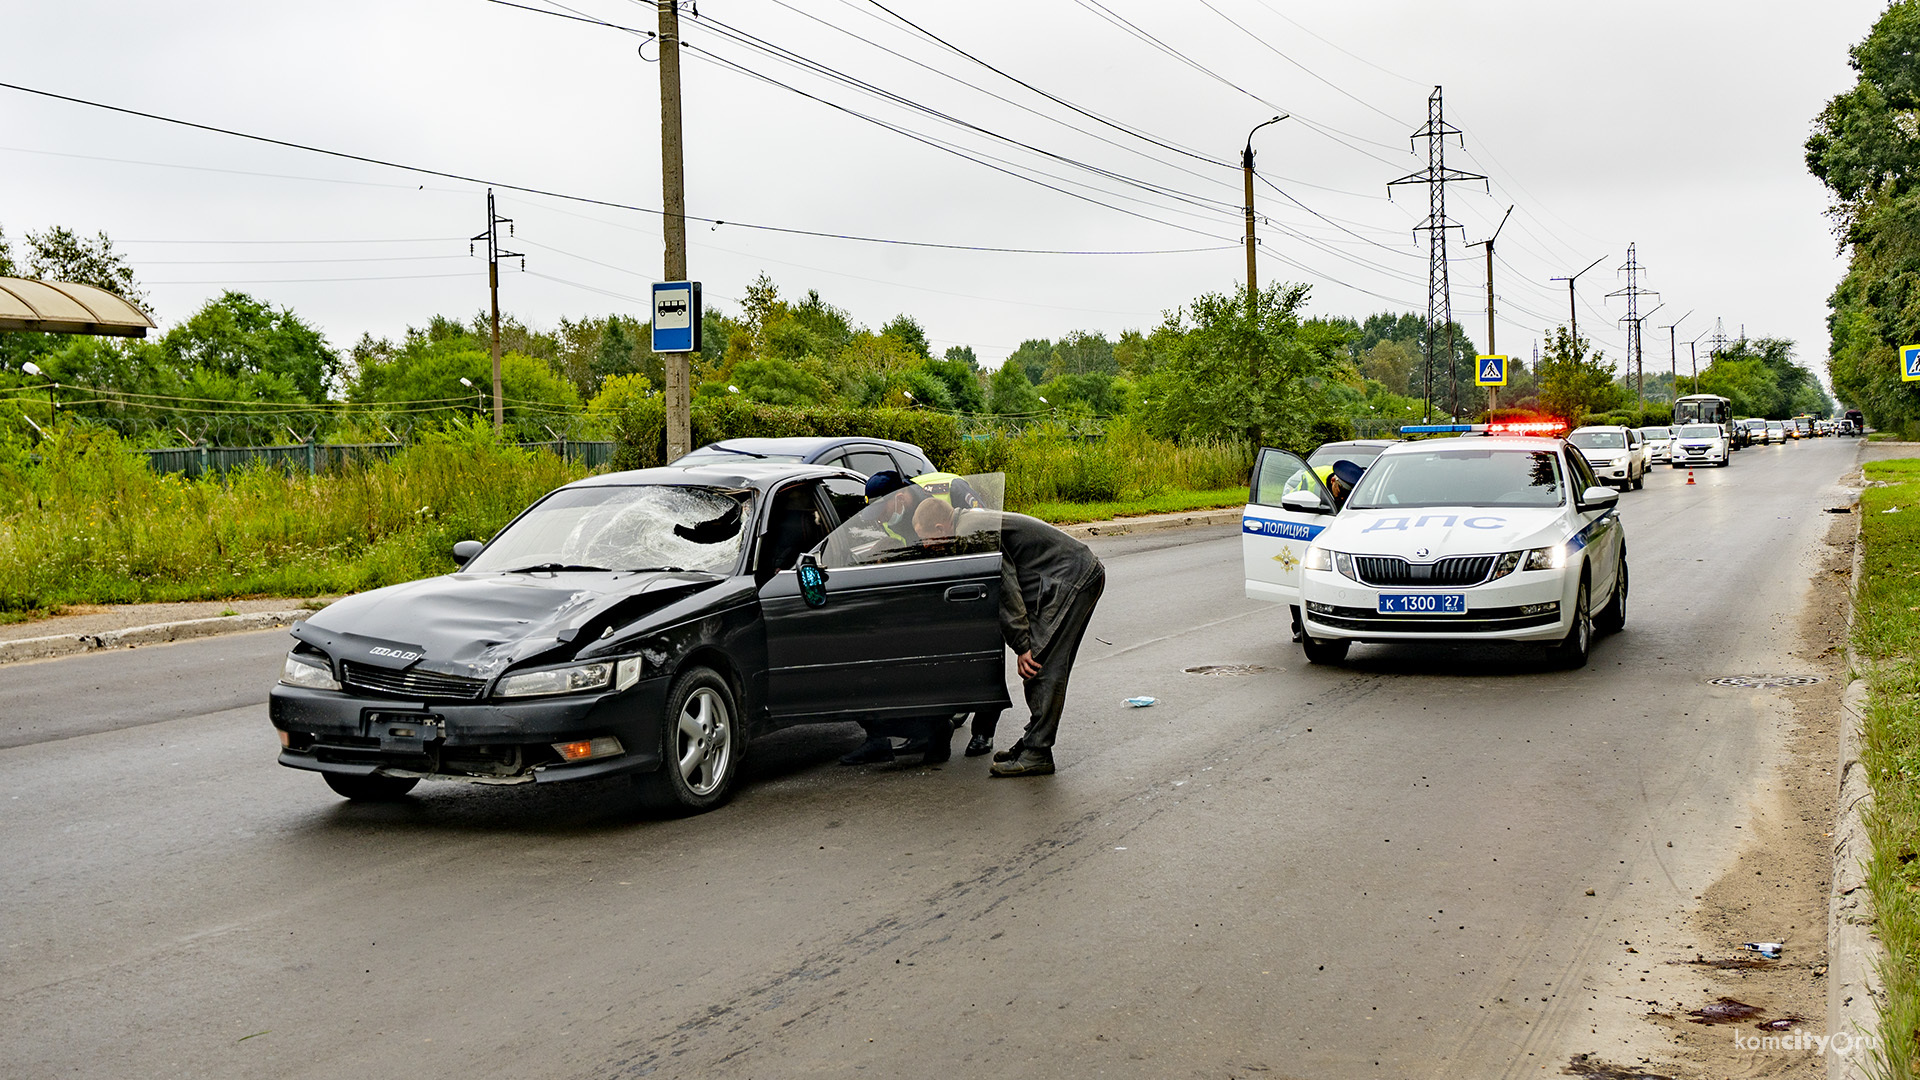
(700, 745)
(1571, 651)
(1613, 617)
(1324, 650)
(370, 788)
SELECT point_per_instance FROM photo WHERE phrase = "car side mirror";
(813, 581)
(1598, 498)
(1306, 502)
(465, 550)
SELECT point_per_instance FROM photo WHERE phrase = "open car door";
(1287, 506)
(905, 625)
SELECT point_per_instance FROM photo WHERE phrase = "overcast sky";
(1675, 126)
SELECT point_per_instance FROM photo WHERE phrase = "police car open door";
(1287, 506)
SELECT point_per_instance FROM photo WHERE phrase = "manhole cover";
(1765, 682)
(1224, 669)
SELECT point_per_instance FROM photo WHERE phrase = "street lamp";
(478, 406)
(1246, 171)
(1696, 360)
(53, 406)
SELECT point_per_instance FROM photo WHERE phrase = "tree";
(906, 330)
(1235, 373)
(1011, 393)
(1033, 355)
(963, 354)
(58, 254)
(1573, 381)
(237, 335)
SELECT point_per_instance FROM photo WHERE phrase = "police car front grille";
(410, 684)
(1483, 621)
(1457, 570)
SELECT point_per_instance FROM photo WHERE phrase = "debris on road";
(1140, 702)
(1725, 1011)
(1768, 949)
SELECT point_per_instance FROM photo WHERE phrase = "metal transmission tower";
(494, 255)
(1439, 299)
(1633, 292)
(1717, 342)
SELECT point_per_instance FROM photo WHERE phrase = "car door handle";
(961, 593)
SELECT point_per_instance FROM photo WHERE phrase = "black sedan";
(648, 623)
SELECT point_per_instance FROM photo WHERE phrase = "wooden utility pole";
(673, 204)
(1246, 172)
(494, 255)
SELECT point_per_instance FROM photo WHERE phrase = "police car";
(1487, 537)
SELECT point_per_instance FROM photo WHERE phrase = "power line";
(587, 200)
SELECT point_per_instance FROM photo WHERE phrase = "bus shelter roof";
(65, 307)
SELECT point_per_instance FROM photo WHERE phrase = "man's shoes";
(1010, 752)
(872, 752)
(979, 744)
(1029, 763)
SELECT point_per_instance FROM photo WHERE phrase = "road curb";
(57, 645)
(1153, 523)
(1855, 994)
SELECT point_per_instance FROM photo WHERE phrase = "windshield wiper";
(733, 450)
(554, 568)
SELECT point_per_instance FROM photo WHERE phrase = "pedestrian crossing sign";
(1492, 370)
(1910, 363)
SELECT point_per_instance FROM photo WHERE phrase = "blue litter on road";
(1141, 702)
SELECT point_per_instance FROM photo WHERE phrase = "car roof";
(1598, 427)
(807, 444)
(744, 473)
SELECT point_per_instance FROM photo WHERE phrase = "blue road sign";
(1492, 370)
(676, 316)
(1910, 363)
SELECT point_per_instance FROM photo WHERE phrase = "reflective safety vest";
(940, 485)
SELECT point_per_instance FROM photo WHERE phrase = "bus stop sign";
(1491, 370)
(1910, 363)
(676, 316)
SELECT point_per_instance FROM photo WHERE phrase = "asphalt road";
(1372, 870)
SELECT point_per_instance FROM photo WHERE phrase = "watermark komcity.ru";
(1842, 1044)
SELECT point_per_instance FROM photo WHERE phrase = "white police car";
(1479, 538)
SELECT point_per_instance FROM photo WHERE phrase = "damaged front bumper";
(331, 731)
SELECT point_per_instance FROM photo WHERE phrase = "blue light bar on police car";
(1441, 429)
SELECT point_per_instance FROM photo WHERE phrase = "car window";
(1582, 472)
(632, 527)
(1280, 473)
(866, 461)
(795, 522)
(1457, 477)
(708, 455)
(902, 527)
(1700, 431)
(848, 497)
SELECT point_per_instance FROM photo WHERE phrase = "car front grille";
(410, 684)
(1458, 570)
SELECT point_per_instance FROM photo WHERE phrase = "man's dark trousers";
(1047, 691)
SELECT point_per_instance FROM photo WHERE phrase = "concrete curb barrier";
(1855, 994)
(56, 645)
(1153, 523)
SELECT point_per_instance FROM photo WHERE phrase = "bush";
(641, 430)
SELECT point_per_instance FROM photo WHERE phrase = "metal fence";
(198, 461)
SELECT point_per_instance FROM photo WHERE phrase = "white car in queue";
(1699, 444)
(1486, 537)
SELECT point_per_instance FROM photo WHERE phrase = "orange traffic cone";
(1689, 477)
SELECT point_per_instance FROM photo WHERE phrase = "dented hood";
(476, 625)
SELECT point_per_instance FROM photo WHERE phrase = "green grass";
(1886, 636)
(91, 523)
(1172, 502)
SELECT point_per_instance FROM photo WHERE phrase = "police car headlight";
(1343, 563)
(1506, 564)
(1317, 558)
(1547, 558)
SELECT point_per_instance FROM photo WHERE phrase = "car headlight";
(1506, 564)
(311, 672)
(1547, 558)
(1317, 558)
(575, 679)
